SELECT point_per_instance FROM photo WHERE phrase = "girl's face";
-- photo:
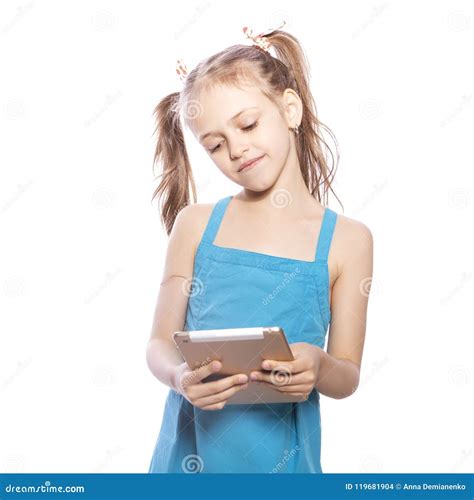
(235, 126)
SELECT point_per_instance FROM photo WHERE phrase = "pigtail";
(235, 65)
(311, 146)
(173, 191)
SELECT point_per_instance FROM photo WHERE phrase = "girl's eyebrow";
(202, 137)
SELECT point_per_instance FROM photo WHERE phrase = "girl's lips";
(253, 164)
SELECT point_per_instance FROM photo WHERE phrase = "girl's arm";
(339, 369)
(162, 355)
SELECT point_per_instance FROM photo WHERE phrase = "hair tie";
(181, 70)
(259, 40)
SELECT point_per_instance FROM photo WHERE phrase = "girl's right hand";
(207, 395)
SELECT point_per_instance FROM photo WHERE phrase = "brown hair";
(237, 65)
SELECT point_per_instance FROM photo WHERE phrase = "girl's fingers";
(298, 365)
(300, 388)
(206, 402)
(203, 389)
(282, 379)
(217, 406)
(204, 371)
(293, 388)
(299, 394)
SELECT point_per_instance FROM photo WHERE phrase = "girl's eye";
(250, 127)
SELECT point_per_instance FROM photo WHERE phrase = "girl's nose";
(236, 150)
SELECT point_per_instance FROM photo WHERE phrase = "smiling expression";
(237, 125)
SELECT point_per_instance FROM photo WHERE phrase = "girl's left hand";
(293, 377)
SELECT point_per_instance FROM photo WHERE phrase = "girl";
(270, 255)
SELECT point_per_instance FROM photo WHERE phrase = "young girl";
(271, 255)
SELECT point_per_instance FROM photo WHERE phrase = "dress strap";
(325, 234)
(215, 219)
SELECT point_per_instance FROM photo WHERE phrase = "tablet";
(240, 350)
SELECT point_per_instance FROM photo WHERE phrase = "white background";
(82, 246)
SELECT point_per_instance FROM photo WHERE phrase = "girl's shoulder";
(184, 238)
(352, 239)
(350, 228)
(194, 219)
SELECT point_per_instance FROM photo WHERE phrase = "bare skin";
(207, 395)
(247, 227)
(256, 220)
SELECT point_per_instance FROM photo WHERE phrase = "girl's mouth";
(253, 164)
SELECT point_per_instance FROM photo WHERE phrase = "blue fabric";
(235, 288)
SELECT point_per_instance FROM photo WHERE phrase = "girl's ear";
(293, 107)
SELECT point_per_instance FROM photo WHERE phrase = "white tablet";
(240, 350)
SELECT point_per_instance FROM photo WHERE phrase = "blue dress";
(233, 288)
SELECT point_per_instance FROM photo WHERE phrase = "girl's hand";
(207, 395)
(293, 377)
